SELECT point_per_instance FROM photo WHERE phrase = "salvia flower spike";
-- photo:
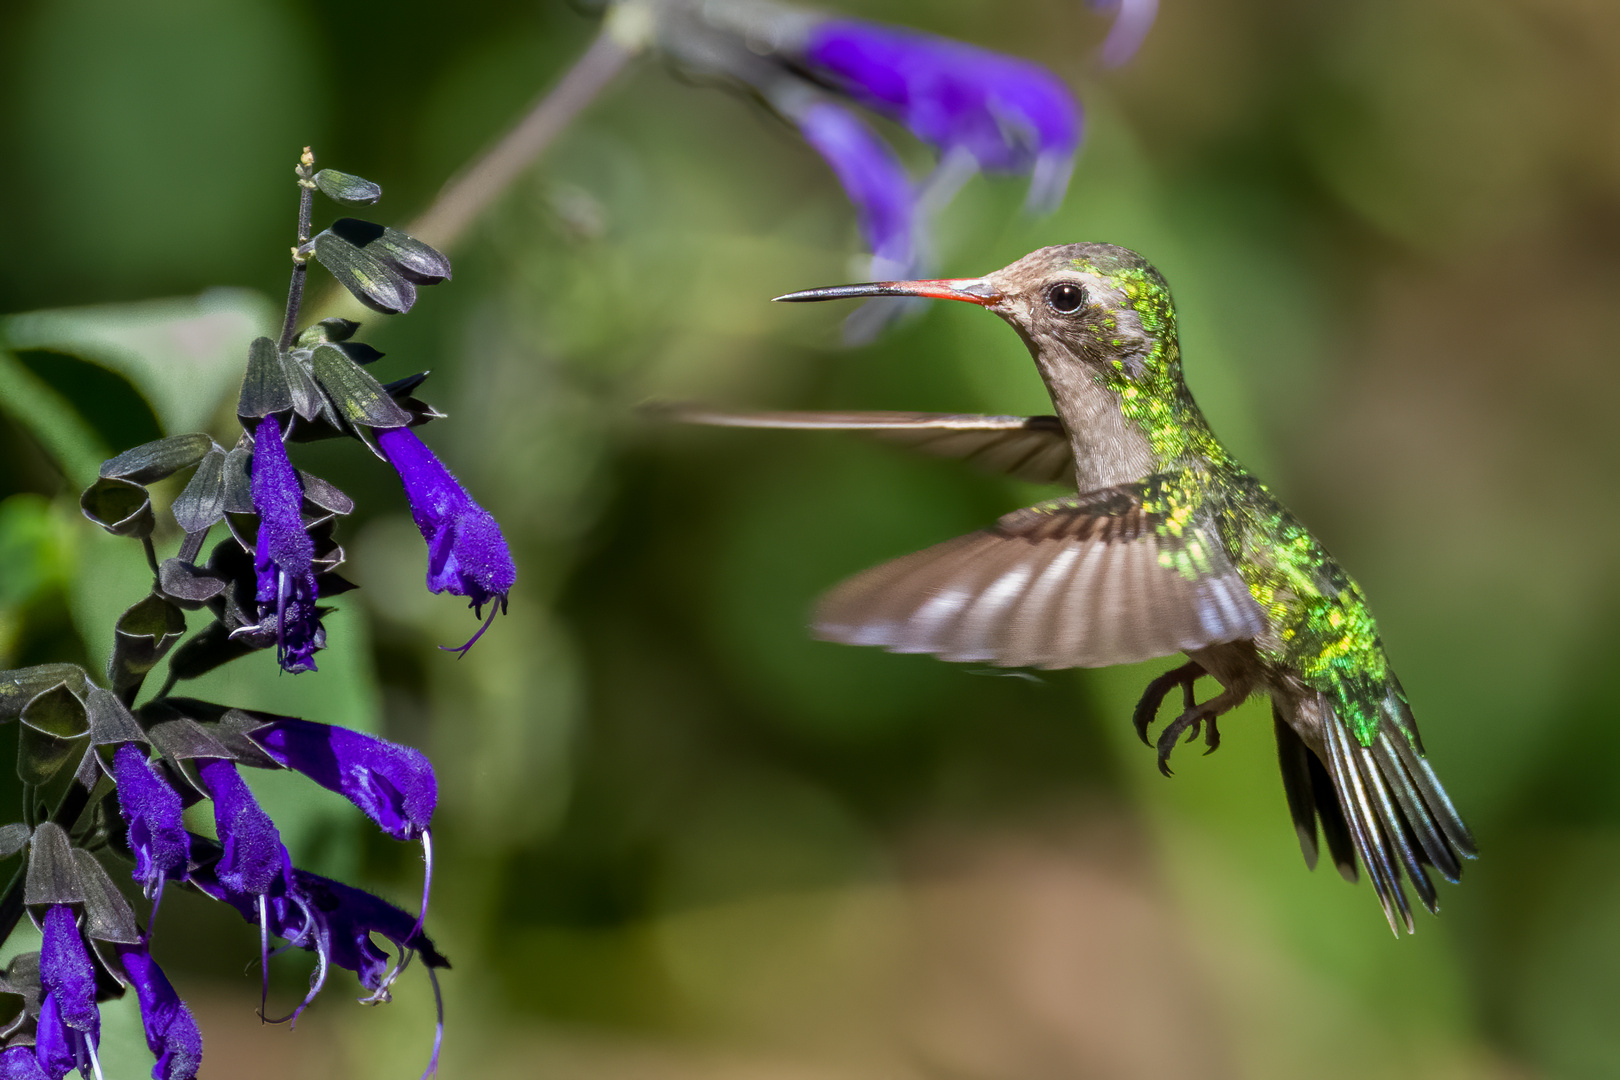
(284, 556)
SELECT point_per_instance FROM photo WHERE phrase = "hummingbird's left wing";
(1033, 448)
(1088, 581)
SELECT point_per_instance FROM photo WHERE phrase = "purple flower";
(874, 180)
(255, 861)
(1132, 21)
(392, 784)
(284, 558)
(151, 809)
(467, 554)
(69, 1025)
(17, 1063)
(336, 922)
(1010, 115)
(171, 1031)
(65, 971)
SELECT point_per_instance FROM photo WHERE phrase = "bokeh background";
(677, 838)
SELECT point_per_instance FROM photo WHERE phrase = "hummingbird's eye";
(1065, 297)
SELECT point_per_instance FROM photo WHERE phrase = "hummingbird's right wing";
(1088, 581)
(1033, 448)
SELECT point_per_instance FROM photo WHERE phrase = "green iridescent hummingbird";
(1170, 546)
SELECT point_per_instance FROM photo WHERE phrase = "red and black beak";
(973, 290)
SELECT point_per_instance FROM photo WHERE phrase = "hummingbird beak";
(973, 290)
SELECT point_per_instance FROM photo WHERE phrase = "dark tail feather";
(1396, 830)
(1358, 805)
(1334, 828)
(1436, 851)
(1402, 743)
(1294, 758)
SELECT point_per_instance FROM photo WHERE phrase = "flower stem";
(300, 257)
(470, 191)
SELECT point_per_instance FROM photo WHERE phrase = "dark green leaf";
(141, 637)
(107, 914)
(187, 585)
(373, 282)
(324, 496)
(207, 650)
(22, 978)
(53, 876)
(326, 330)
(158, 460)
(308, 401)
(345, 188)
(111, 722)
(419, 262)
(13, 838)
(203, 501)
(359, 397)
(181, 737)
(19, 687)
(239, 481)
(120, 507)
(264, 388)
(229, 727)
(360, 352)
(51, 725)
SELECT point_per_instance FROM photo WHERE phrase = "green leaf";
(188, 585)
(111, 722)
(346, 188)
(13, 838)
(203, 501)
(141, 637)
(239, 481)
(332, 330)
(265, 388)
(183, 354)
(420, 262)
(107, 915)
(53, 877)
(19, 687)
(373, 282)
(58, 428)
(120, 507)
(51, 726)
(359, 397)
(158, 460)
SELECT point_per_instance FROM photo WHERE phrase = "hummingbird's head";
(1095, 306)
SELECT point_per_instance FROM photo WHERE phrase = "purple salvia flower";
(152, 810)
(56, 1046)
(1010, 115)
(336, 922)
(284, 558)
(255, 861)
(171, 1030)
(65, 971)
(874, 180)
(18, 1063)
(1132, 21)
(467, 554)
(392, 784)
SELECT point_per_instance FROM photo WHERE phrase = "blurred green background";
(677, 839)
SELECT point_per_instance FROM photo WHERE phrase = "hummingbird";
(1168, 546)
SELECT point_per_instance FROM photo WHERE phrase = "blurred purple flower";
(874, 180)
(467, 554)
(1132, 21)
(171, 1030)
(1011, 115)
(151, 809)
(284, 557)
(58, 1049)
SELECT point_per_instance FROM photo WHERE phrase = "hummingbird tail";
(1380, 802)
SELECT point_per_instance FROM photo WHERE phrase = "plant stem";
(470, 191)
(300, 271)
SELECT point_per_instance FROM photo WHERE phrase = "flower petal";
(255, 861)
(171, 1030)
(65, 971)
(152, 810)
(392, 784)
(284, 555)
(873, 178)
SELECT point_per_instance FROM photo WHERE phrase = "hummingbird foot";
(1147, 710)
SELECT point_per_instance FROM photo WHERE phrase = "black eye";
(1065, 297)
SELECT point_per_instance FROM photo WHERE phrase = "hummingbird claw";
(1193, 719)
(1147, 710)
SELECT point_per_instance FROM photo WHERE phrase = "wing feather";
(1033, 448)
(1083, 582)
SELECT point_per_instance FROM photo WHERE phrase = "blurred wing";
(1086, 581)
(1033, 448)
